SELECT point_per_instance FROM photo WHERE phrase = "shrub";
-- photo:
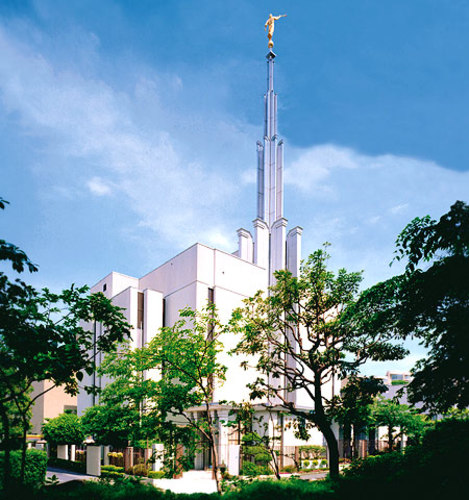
(155, 474)
(324, 463)
(67, 464)
(112, 468)
(140, 470)
(36, 466)
(64, 429)
(111, 474)
(116, 458)
(312, 451)
(251, 469)
(315, 463)
(295, 489)
(289, 468)
(306, 464)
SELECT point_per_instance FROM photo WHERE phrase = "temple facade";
(201, 273)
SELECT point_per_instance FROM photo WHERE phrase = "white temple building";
(202, 273)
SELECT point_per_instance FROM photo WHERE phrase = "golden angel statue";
(270, 24)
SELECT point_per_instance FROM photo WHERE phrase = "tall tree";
(64, 429)
(187, 356)
(299, 341)
(429, 301)
(126, 412)
(352, 408)
(399, 420)
(434, 303)
(44, 336)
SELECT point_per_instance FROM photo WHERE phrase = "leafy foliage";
(302, 337)
(36, 465)
(46, 336)
(125, 413)
(435, 304)
(352, 409)
(187, 356)
(61, 463)
(64, 429)
(433, 470)
(393, 415)
(429, 301)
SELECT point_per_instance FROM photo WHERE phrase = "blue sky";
(128, 129)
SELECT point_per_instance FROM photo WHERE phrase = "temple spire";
(270, 157)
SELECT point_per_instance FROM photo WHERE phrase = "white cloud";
(98, 187)
(178, 165)
(399, 208)
(360, 203)
(163, 160)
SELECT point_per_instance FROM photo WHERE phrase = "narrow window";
(140, 310)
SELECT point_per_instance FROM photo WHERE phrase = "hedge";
(61, 463)
(35, 470)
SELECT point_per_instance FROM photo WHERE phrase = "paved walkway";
(314, 476)
(65, 475)
(191, 482)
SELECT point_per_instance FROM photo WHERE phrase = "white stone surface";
(233, 460)
(93, 460)
(191, 482)
(106, 450)
(157, 450)
(188, 278)
(62, 451)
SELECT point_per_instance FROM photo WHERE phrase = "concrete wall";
(50, 405)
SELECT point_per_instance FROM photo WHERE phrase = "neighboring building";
(397, 378)
(200, 274)
(51, 404)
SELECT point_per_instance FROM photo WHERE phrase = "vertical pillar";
(73, 449)
(62, 451)
(294, 250)
(223, 457)
(106, 450)
(93, 460)
(128, 458)
(158, 451)
(277, 245)
(261, 243)
(233, 459)
(279, 181)
(245, 250)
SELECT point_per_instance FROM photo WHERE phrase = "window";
(140, 300)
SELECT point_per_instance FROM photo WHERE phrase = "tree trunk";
(390, 438)
(324, 426)
(23, 448)
(333, 447)
(275, 462)
(7, 445)
(347, 440)
(215, 469)
(372, 441)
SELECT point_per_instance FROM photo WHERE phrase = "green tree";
(64, 429)
(399, 419)
(126, 414)
(435, 306)
(187, 356)
(352, 409)
(261, 434)
(299, 341)
(46, 336)
(430, 301)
